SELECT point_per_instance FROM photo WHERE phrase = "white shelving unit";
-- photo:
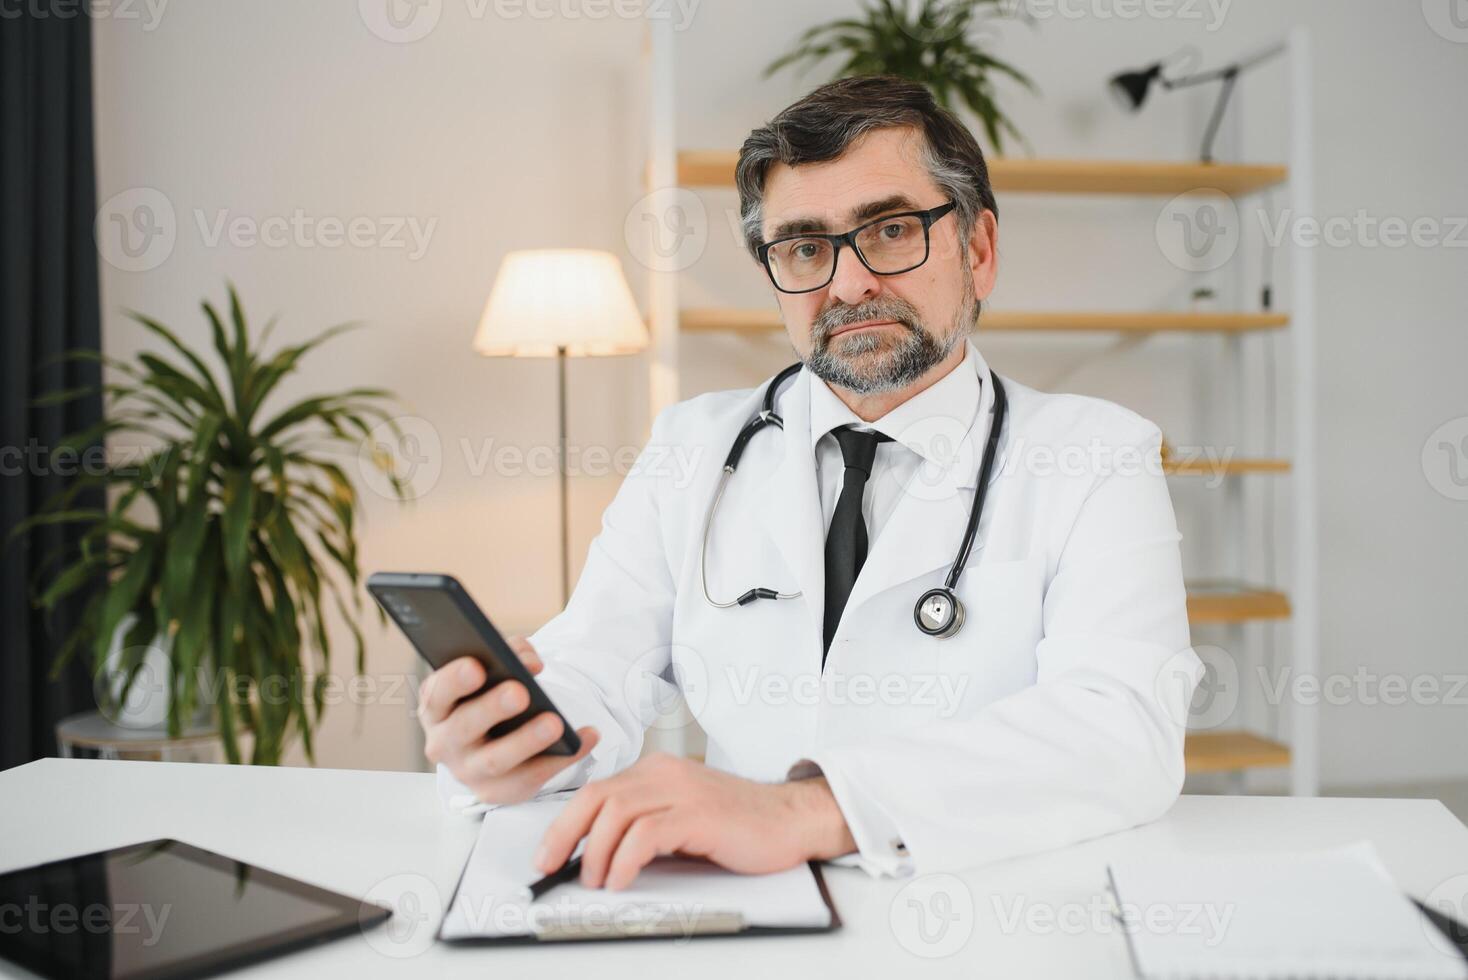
(671, 168)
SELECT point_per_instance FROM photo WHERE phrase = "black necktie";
(846, 541)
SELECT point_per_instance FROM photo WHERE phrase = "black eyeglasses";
(889, 246)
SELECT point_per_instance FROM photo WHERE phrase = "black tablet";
(164, 908)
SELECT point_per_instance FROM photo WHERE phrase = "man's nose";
(853, 283)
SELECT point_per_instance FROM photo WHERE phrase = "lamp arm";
(1229, 75)
(1217, 74)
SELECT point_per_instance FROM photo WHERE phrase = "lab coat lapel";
(789, 504)
(926, 527)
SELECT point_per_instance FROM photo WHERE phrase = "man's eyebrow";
(859, 215)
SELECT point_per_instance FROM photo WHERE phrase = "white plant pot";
(146, 703)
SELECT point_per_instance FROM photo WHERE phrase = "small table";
(93, 736)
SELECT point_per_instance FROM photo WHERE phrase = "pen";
(568, 872)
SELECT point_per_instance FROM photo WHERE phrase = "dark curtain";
(48, 304)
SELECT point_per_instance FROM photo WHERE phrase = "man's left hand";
(667, 805)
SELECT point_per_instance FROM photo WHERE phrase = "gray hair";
(824, 124)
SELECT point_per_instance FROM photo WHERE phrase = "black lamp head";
(1131, 87)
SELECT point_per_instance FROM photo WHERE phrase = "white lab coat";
(1056, 714)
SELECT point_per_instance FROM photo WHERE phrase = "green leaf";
(124, 594)
(63, 396)
(282, 364)
(239, 509)
(73, 578)
(205, 378)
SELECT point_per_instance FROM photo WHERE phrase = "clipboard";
(712, 926)
(489, 909)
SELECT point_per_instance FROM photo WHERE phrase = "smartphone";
(444, 624)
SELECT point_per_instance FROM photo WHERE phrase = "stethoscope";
(938, 612)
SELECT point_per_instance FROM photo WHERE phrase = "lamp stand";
(565, 490)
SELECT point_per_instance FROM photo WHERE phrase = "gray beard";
(869, 364)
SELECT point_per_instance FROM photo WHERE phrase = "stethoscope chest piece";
(938, 613)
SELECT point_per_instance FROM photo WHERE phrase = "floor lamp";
(560, 303)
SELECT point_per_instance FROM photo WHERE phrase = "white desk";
(354, 831)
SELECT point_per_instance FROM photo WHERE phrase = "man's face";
(865, 332)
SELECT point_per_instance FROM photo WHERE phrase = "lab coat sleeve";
(607, 653)
(1095, 745)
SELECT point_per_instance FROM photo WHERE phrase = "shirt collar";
(931, 423)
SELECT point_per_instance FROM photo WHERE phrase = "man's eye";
(807, 250)
(893, 231)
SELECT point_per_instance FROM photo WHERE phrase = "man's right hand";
(502, 770)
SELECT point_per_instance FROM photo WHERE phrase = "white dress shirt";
(917, 427)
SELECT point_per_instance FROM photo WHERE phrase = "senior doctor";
(840, 726)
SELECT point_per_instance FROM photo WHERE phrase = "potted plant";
(222, 540)
(929, 41)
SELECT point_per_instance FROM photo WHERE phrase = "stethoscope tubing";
(768, 416)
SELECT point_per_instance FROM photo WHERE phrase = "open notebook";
(1333, 913)
(672, 897)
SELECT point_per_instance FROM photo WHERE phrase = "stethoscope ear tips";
(938, 613)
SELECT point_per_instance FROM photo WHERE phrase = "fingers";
(526, 653)
(527, 780)
(570, 825)
(467, 725)
(649, 836)
(443, 688)
(613, 818)
(500, 756)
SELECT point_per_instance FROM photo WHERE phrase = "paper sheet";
(1333, 913)
(673, 894)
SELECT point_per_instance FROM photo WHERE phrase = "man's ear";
(983, 253)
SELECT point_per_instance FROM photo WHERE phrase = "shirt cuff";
(880, 851)
(458, 799)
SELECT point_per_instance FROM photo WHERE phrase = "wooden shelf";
(728, 319)
(1232, 467)
(1210, 603)
(734, 320)
(1148, 322)
(1131, 177)
(1232, 751)
(715, 168)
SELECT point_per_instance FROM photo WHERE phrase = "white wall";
(521, 132)
(508, 134)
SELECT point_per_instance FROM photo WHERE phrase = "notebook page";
(492, 901)
(1332, 913)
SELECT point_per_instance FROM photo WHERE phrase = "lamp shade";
(547, 299)
(1130, 87)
